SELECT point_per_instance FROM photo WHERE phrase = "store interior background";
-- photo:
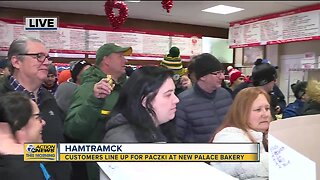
(213, 28)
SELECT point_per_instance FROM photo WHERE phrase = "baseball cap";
(109, 48)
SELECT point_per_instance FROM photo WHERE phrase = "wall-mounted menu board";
(83, 39)
(297, 25)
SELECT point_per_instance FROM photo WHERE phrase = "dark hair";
(299, 88)
(144, 83)
(15, 109)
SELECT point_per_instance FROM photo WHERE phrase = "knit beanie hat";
(109, 48)
(299, 88)
(172, 60)
(64, 76)
(52, 70)
(234, 74)
(263, 73)
(77, 67)
(205, 64)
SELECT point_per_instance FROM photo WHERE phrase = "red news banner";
(296, 25)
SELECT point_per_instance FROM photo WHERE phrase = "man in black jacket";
(28, 63)
(264, 75)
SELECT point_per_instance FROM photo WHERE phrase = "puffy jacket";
(118, 130)
(88, 115)
(86, 118)
(199, 113)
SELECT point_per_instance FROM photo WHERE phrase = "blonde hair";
(240, 109)
(313, 90)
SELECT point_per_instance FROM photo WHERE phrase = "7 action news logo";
(40, 152)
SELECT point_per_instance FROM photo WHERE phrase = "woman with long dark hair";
(146, 101)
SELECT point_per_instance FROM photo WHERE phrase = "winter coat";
(199, 113)
(52, 131)
(64, 95)
(13, 167)
(52, 89)
(312, 108)
(294, 109)
(118, 129)
(242, 170)
(88, 115)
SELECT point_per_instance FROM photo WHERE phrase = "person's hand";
(185, 82)
(102, 88)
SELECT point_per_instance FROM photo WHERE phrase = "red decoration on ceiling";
(116, 21)
(167, 4)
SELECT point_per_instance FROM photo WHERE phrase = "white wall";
(219, 48)
(290, 55)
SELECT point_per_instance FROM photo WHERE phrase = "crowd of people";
(102, 102)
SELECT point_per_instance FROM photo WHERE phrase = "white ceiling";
(187, 12)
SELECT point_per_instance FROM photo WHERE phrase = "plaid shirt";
(18, 87)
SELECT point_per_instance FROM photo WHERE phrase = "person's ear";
(144, 101)
(203, 78)
(16, 63)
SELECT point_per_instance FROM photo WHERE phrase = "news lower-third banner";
(143, 152)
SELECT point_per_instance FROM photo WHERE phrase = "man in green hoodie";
(94, 99)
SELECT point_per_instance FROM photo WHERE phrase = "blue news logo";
(41, 23)
(30, 148)
(40, 152)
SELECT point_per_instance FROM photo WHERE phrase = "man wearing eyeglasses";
(28, 64)
(202, 108)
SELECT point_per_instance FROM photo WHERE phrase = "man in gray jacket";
(202, 108)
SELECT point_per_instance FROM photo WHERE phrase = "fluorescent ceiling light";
(222, 9)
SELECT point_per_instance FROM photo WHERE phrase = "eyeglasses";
(39, 56)
(216, 73)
